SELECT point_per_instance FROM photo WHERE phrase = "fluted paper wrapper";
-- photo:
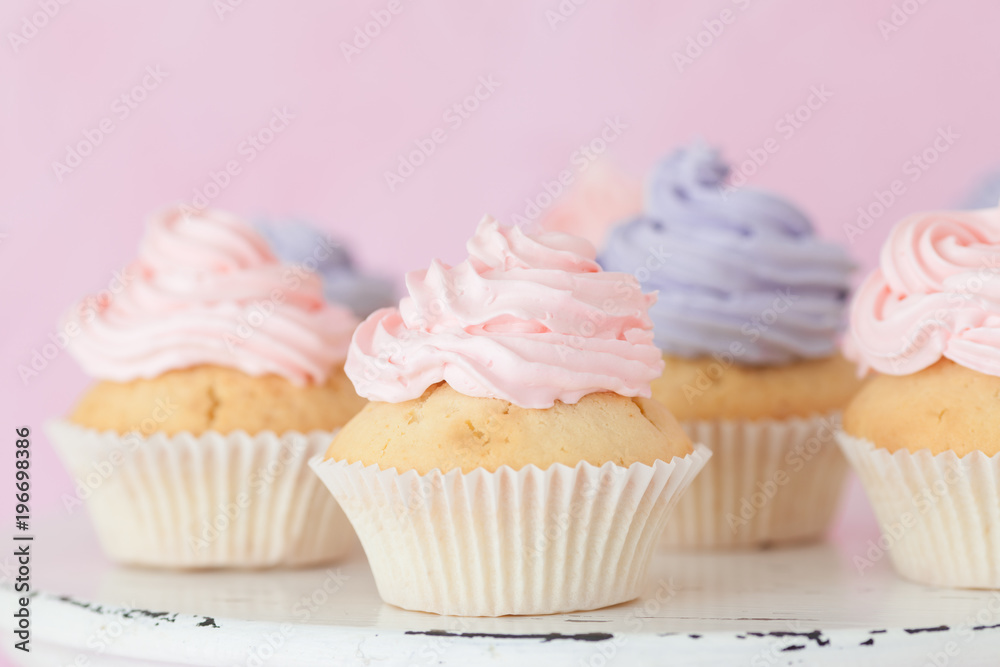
(509, 542)
(939, 513)
(769, 482)
(215, 500)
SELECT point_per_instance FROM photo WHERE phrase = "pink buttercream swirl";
(530, 319)
(206, 289)
(936, 294)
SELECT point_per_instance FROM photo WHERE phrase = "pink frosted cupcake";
(924, 432)
(219, 374)
(509, 462)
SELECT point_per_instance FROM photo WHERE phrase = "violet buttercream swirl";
(206, 289)
(738, 271)
(531, 319)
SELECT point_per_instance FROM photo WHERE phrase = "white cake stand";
(799, 606)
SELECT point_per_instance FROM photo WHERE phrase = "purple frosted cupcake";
(751, 304)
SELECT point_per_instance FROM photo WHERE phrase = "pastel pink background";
(353, 119)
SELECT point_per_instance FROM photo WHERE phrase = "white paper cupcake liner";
(769, 482)
(939, 513)
(215, 500)
(509, 542)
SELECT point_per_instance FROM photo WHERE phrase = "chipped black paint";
(815, 635)
(84, 605)
(158, 616)
(987, 627)
(583, 637)
(913, 631)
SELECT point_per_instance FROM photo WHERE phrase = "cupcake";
(509, 461)
(748, 315)
(924, 432)
(219, 374)
(343, 282)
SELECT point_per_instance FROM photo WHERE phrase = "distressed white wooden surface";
(801, 606)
